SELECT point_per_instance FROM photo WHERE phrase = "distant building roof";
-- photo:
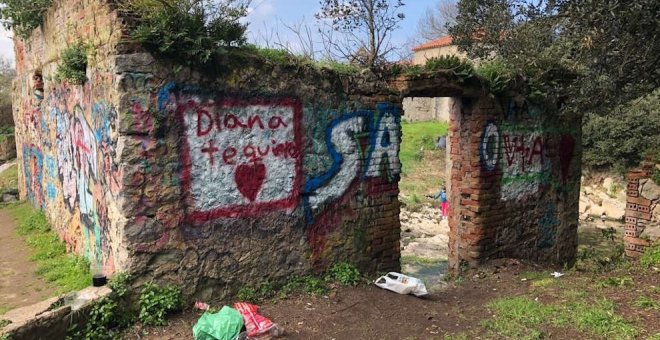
(440, 42)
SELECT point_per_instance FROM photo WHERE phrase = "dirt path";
(368, 312)
(19, 286)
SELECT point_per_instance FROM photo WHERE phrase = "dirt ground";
(457, 308)
(368, 312)
(19, 286)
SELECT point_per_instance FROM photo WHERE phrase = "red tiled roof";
(440, 42)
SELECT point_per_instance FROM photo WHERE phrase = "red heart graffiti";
(249, 178)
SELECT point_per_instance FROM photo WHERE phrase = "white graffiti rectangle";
(241, 157)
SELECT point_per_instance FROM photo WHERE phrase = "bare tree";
(302, 39)
(435, 21)
(365, 27)
(307, 44)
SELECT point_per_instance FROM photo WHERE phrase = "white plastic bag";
(402, 284)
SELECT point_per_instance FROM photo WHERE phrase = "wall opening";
(424, 158)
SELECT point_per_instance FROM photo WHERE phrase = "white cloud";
(260, 11)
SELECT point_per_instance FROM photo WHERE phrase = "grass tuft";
(422, 165)
(67, 271)
(524, 318)
(416, 136)
(645, 302)
(651, 256)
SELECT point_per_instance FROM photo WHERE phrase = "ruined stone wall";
(65, 134)
(515, 178)
(210, 182)
(261, 170)
(642, 211)
(265, 172)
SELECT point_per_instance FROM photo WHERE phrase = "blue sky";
(267, 15)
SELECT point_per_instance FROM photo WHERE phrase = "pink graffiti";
(143, 120)
(523, 151)
(206, 122)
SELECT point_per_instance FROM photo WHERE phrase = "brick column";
(638, 210)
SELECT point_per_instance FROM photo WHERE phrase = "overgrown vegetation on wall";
(23, 16)
(73, 64)
(191, 32)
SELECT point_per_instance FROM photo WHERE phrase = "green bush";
(345, 273)
(23, 16)
(73, 66)
(497, 73)
(100, 324)
(314, 285)
(109, 316)
(460, 67)
(191, 32)
(120, 284)
(156, 302)
(621, 139)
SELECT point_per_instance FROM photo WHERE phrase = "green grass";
(422, 164)
(416, 136)
(533, 276)
(646, 302)
(616, 282)
(67, 271)
(523, 318)
(9, 179)
(651, 256)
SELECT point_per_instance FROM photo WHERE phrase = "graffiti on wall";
(489, 147)
(245, 158)
(84, 162)
(523, 156)
(363, 147)
(51, 178)
(33, 161)
(240, 157)
(362, 143)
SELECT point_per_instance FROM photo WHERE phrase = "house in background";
(424, 108)
(435, 48)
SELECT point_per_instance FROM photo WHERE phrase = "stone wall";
(642, 211)
(515, 179)
(66, 135)
(267, 170)
(263, 172)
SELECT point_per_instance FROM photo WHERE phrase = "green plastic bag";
(223, 325)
